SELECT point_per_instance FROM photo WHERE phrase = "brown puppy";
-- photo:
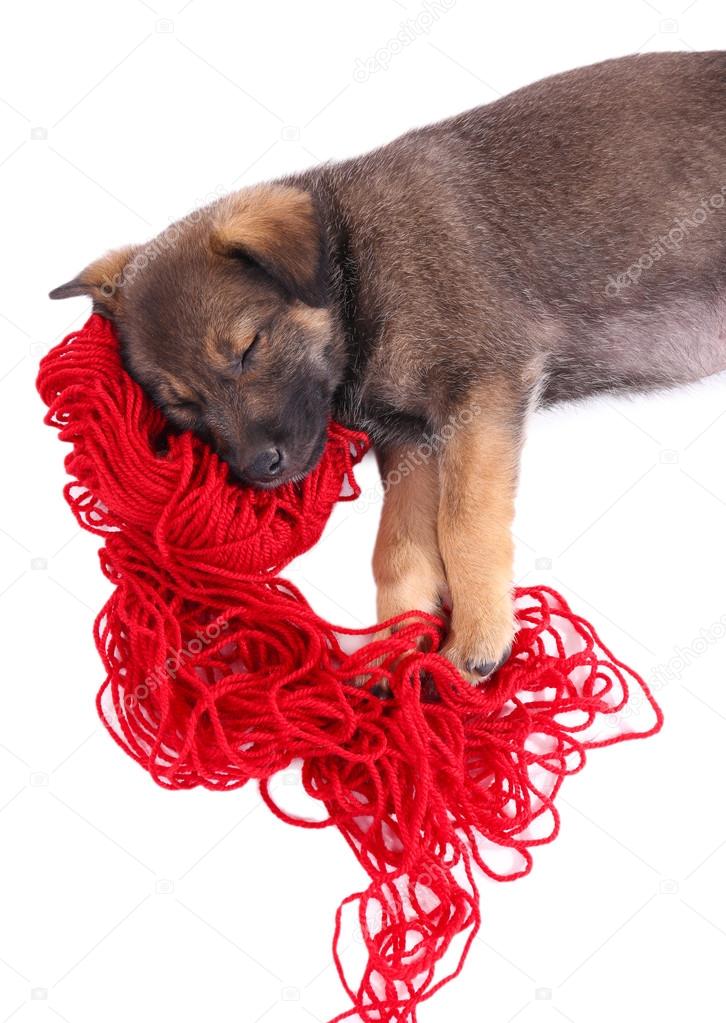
(564, 240)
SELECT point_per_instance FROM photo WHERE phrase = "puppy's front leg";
(406, 562)
(478, 468)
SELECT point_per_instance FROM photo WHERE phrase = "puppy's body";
(565, 240)
(495, 236)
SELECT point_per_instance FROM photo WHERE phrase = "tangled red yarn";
(219, 672)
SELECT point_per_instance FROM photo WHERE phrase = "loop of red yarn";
(219, 672)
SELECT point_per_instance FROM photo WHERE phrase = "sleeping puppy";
(565, 240)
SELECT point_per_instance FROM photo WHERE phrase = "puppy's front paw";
(478, 645)
(403, 596)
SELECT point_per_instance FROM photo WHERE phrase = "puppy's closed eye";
(243, 360)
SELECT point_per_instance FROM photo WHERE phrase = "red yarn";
(218, 672)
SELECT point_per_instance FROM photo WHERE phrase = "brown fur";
(275, 226)
(482, 261)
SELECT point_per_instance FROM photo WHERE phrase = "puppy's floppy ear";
(275, 227)
(102, 280)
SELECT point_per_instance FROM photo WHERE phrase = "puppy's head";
(223, 319)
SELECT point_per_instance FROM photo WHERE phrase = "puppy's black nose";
(265, 466)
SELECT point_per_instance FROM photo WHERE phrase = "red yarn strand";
(218, 672)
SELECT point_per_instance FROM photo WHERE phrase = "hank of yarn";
(218, 672)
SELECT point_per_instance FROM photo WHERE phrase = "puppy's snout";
(265, 466)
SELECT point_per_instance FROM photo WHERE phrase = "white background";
(119, 901)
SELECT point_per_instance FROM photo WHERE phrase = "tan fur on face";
(211, 347)
(316, 321)
(172, 389)
(276, 225)
(317, 328)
